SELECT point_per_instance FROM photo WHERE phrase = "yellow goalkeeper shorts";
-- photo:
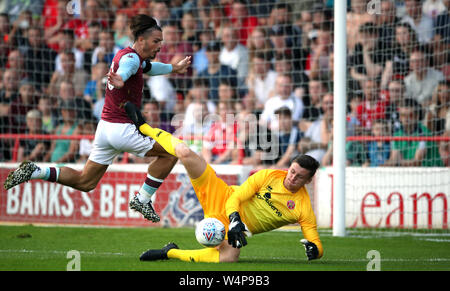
(212, 193)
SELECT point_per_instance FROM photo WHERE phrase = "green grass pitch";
(45, 248)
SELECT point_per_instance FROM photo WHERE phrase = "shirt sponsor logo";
(269, 203)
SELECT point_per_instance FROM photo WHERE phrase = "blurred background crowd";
(261, 78)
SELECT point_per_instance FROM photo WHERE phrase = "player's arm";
(158, 68)
(128, 66)
(237, 229)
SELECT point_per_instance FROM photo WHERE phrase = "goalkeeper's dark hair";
(307, 162)
(142, 24)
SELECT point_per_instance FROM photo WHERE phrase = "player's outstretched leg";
(171, 251)
(195, 165)
(158, 254)
(20, 175)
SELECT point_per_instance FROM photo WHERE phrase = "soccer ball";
(210, 232)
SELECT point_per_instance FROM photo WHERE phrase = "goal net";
(259, 91)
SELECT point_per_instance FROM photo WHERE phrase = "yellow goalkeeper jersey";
(265, 204)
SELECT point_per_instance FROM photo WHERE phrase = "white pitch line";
(65, 252)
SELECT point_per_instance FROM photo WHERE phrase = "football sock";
(149, 188)
(50, 174)
(165, 139)
(206, 255)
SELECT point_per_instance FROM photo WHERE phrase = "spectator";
(234, 54)
(365, 61)
(284, 65)
(278, 39)
(163, 91)
(318, 60)
(220, 141)
(16, 8)
(152, 114)
(259, 43)
(16, 63)
(432, 8)
(26, 101)
(88, 45)
(87, 127)
(65, 150)
(8, 94)
(317, 90)
(90, 12)
(122, 38)
(283, 97)
(421, 23)
(39, 58)
(194, 128)
(386, 21)
(438, 113)
(33, 149)
(172, 51)
(159, 10)
(78, 77)
(442, 25)
(241, 21)
(97, 107)
(261, 80)
(190, 32)
(106, 49)
(318, 135)
(356, 153)
(280, 20)
(216, 71)
(379, 151)
(216, 20)
(199, 93)
(66, 40)
(397, 64)
(396, 93)
(227, 92)
(99, 71)
(4, 38)
(55, 19)
(257, 145)
(353, 123)
(372, 106)
(17, 35)
(304, 25)
(83, 108)
(444, 147)
(49, 116)
(289, 136)
(408, 153)
(355, 18)
(200, 62)
(422, 80)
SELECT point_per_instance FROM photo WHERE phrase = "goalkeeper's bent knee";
(165, 139)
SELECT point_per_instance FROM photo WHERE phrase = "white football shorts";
(112, 139)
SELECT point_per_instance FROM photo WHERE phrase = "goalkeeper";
(267, 200)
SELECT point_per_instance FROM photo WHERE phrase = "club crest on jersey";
(290, 204)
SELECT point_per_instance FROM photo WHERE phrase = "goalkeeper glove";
(236, 237)
(311, 249)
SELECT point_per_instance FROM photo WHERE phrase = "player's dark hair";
(143, 24)
(307, 162)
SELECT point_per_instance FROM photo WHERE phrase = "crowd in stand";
(260, 86)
